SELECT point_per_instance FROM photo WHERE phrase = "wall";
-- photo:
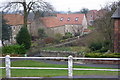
(117, 36)
(55, 54)
(66, 28)
(102, 61)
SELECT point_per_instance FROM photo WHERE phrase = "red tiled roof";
(51, 21)
(55, 21)
(14, 19)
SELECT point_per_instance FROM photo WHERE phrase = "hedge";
(14, 49)
(103, 55)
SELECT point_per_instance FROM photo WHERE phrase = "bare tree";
(105, 24)
(27, 7)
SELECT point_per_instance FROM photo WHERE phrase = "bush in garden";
(95, 46)
(23, 37)
(41, 33)
(67, 35)
(14, 49)
(103, 55)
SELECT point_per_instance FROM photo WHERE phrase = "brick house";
(61, 23)
(92, 15)
(16, 21)
(116, 17)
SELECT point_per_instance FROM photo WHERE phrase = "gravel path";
(89, 65)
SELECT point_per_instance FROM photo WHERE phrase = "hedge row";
(14, 49)
(103, 55)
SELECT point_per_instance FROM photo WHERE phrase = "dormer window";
(76, 19)
(68, 19)
(61, 19)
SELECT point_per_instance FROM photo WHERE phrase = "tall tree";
(6, 31)
(27, 6)
(105, 25)
(84, 10)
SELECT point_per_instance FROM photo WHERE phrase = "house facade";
(62, 23)
(92, 15)
(116, 17)
(15, 21)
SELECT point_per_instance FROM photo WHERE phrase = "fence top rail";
(80, 58)
(96, 58)
(39, 57)
(2, 57)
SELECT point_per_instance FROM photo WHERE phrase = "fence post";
(7, 62)
(70, 66)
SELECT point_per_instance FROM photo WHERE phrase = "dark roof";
(116, 13)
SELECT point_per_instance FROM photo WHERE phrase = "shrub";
(23, 37)
(14, 49)
(95, 46)
(93, 55)
(101, 55)
(67, 35)
(41, 33)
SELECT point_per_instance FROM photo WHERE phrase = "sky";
(75, 5)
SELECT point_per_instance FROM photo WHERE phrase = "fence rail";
(70, 64)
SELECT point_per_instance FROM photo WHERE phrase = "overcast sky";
(75, 5)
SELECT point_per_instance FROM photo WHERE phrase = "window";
(61, 19)
(14, 37)
(13, 28)
(68, 19)
(76, 19)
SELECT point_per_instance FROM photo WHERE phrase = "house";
(116, 17)
(16, 21)
(62, 23)
(92, 15)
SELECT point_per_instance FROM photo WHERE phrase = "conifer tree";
(24, 38)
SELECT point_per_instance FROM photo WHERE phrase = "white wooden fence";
(70, 64)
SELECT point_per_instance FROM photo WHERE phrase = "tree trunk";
(25, 14)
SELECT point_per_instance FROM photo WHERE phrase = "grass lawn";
(49, 73)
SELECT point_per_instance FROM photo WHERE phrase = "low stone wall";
(102, 61)
(45, 53)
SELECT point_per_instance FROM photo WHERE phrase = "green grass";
(91, 27)
(57, 49)
(73, 49)
(48, 73)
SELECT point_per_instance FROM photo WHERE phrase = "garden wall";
(102, 61)
(45, 53)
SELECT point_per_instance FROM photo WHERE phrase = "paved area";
(89, 65)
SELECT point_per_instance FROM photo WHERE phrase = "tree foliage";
(105, 25)
(6, 31)
(41, 33)
(84, 10)
(24, 38)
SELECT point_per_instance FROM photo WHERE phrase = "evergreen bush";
(24, 38)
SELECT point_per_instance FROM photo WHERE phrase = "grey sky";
(75, 5)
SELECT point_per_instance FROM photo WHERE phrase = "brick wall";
(117, 36)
